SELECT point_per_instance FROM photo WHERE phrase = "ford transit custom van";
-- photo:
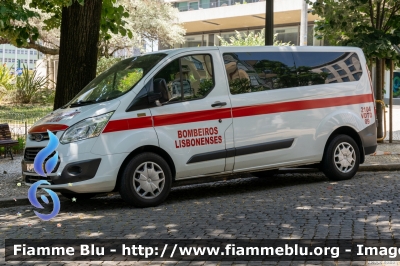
(156, 119)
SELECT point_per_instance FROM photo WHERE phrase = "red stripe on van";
(128, 124)
(189, 117)
(299, 105)
(43, 128)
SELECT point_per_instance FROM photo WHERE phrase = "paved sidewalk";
(386, 158)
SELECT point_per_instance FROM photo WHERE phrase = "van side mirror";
(153, 97)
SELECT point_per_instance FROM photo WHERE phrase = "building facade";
(9, 55)
(204, 20)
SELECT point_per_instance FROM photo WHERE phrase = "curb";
(17, 201)
(363, 168)
(380, 167)
(378, 153)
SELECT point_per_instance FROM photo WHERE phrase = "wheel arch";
(351, 132)
(147, 148)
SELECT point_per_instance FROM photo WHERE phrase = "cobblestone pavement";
(10, 170)
(286, 206)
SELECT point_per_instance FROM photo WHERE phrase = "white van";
(242, 109)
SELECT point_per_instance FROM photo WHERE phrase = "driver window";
(188, 78)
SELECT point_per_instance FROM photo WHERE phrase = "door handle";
(218, 104)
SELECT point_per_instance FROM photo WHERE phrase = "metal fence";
(20, 121)
(18, 128)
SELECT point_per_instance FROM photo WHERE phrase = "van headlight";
(85, 129)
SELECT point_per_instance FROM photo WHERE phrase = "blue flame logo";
(42, 155)
(49, 166)
(32, 198)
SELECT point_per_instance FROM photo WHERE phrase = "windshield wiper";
(80, 103)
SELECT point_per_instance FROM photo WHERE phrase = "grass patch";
(24, 112)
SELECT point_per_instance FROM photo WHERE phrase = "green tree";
(75, 29)
(80, 22)
(373, 25)
(251, 39)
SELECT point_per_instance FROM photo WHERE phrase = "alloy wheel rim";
(148, 180)
(344, 157)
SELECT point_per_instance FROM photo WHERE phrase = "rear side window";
(326, 67)
(250, 72)
(259, 71)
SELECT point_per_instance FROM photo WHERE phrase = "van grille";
(30, 154)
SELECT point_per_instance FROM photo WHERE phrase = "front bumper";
(86, 173)
(73, 172)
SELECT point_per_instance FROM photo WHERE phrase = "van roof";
(264, 49)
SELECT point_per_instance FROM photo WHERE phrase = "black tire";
(78, 196)
(265, 174)
(335, 168)
(132, 192)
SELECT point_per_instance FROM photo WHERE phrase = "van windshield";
(117, 80)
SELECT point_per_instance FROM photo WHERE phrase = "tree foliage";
(124, 23)
(251, 39)
(373, 25)
(149, 20)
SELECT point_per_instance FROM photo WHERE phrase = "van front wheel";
(146, 180)
(341, 159)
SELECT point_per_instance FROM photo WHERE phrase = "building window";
(31, 52)
(287, 34)
(193, 41)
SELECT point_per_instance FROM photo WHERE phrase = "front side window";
(188, 78)
(117, 80)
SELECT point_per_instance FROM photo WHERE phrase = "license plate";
(29, 167)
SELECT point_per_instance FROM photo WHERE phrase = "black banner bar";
(201, 250)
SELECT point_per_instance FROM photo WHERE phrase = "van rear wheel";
(146, 180)
(341, 159)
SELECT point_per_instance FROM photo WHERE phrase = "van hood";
(61, 119)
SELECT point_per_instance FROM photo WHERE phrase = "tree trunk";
(379, 95)
(80, 26)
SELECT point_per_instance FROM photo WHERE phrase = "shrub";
(251, 39)
(45, 96)
(20, 146)
(28, 85)
(6, 80)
